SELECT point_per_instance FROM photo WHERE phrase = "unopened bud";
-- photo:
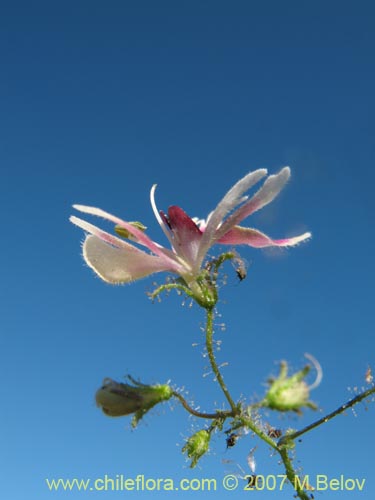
(117, 399)
(289, 393)
(196, 446)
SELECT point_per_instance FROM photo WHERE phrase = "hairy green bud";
(289, 393)
(117, 399)
(196, 446)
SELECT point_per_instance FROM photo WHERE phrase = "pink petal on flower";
(168, 258)
(186, 234)
(120, 265)
(233, 198)
(140, 236)
(103, 235)
(267, 193)
(254, 238)
(120, 244)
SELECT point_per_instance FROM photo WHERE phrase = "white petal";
(233, 198)
(157, 215)
(103, 235)
(267, 193)
(119, 265)
(140, 236)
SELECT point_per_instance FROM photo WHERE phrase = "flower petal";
(158, 216)
(120, 265)
(233, 198)
(186, 234)
(103, 235)
(172, 264)
(139, 235)
(267, 193)
(254, 238)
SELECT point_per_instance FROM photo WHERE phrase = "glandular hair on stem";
(225, 363)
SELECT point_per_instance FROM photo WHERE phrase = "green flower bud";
(117, 399)
(196, 446)
(289, 393)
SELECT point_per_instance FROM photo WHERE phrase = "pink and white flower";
(117, 261)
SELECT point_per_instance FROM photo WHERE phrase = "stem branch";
(218, 414)
(328, 417)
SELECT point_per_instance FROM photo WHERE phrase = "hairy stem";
(211, 355)
(291, 474)
(218, 414)
(248, 422)
(170, 286)
(328, 417)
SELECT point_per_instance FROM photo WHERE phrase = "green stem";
(282, 444)
(170, 286)
(220, 261)
(219, 413)
(328, 417)
(211, 355)
(283, 451)
(247, 421)
(291, 474)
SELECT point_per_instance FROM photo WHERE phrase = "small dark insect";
(241, 268)
(241, 273)
(231, 439)
(274, 433)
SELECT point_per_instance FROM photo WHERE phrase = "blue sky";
(98, 102)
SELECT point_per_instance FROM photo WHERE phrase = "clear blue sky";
(99, 100)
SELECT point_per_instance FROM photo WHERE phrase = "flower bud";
(289, 393)
(196, 446)
(117, 399)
